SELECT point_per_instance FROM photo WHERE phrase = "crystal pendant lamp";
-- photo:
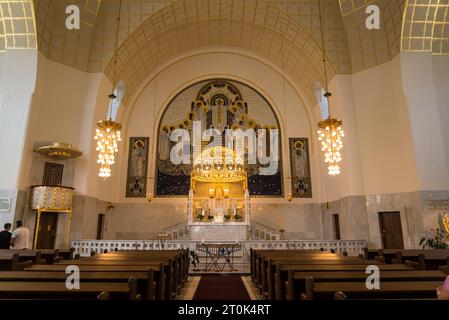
(330, 131)
(108, 131)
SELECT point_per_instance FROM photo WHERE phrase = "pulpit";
(51, 199)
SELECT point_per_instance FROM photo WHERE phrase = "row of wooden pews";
(426, 259)
(309, 275)
(16, 260)
(149, 275)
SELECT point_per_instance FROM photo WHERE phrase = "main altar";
(218, 208)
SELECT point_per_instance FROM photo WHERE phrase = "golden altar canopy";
(218, 165)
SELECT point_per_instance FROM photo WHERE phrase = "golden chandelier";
(107, 134)
(331, 135)
(330, 132)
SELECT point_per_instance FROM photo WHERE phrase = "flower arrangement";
(227, 217)
(200, 216)
(210, 218)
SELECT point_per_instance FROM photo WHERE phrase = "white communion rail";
(85, 247)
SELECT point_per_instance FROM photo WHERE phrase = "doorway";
(47, 231)
(391, 230)
(100, 226)
(336, 223)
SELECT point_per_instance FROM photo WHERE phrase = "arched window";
(322, 100)
(115, 105)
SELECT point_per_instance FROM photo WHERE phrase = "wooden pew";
(180, 257)
(266, 282)
(146, 285)
(387, 254)
(260, 263)
(426, 259)
(11, 262)
(263, 264)
(296, 284)
(58, 290)
(161, 275)
(358, 290)
(25, 255)
(282, 271)
(174, 272)
(255, 256)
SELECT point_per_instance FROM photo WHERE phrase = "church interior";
(275, 148)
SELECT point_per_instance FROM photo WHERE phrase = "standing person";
(5, 237)
(19, 238)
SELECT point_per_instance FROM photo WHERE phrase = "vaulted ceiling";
(261, 26)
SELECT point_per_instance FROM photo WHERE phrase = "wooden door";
(336, 221)
(391, 230)
(47, 231)
(100, 226)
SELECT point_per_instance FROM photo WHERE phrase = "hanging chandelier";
(108, 137)
(108, 131)
(330, 135)
(330, 131)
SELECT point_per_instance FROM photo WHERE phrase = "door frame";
(379, 217)
(39, 233)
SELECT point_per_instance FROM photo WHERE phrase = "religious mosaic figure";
(136, 182)
(300, 168)
(164, 144)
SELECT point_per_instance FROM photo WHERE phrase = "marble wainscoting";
(359, 215)
(129, 221)
(300, 221)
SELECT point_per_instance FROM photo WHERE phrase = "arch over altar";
(217, 104)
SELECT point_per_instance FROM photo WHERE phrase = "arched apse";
(219, 104)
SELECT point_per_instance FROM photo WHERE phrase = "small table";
(215, 252)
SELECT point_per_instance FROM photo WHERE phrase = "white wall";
(17, 82)
(423, 81)
(63, 111)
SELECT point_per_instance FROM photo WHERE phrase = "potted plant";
(227, 217)
(237, 217)
(210, 218)
(436, 242)
(200, 217)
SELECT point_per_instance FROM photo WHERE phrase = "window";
(52, 174)
(322, 100)
(115, 104)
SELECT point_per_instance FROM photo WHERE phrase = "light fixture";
(108, 131)
(330, 131)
